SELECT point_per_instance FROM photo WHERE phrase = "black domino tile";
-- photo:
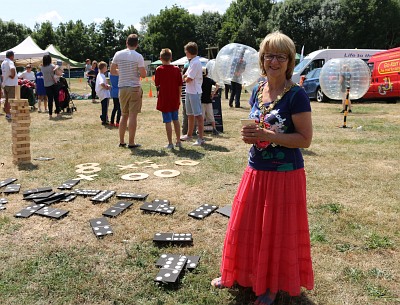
(7, 181)
(203, 211)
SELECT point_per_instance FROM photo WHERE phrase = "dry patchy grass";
(353, 196)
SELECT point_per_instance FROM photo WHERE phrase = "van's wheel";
(321, 97)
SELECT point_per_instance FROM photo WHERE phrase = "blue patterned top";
(270, 156)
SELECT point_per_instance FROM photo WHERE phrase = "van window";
(301, 65)
(318, 63)
(371, 67)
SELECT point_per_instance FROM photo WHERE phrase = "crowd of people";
(267, 241)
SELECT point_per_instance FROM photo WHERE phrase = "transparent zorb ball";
(239, 63)
(338, 74)
(212, 72)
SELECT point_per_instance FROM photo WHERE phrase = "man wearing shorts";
(129, 65)
(194, 79)
(10, 80)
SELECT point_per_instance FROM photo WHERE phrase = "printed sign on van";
(389, 66)
(357, 55)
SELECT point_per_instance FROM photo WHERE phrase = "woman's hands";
(251, 134)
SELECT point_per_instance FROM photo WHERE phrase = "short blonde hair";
(279, 43)
(166, 54)
(102, 64)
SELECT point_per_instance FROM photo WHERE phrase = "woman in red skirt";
(267, 243)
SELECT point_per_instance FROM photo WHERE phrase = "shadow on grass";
(244, 296)
(308, 152)
(28, 167)
(212, 147)
(148, 152)
(188, 154)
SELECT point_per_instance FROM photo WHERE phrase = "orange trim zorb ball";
(341, 74)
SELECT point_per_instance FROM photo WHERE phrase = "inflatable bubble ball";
(238, 63)
(340, 74)
(212, 72)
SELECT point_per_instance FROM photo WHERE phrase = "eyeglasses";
(279, 57)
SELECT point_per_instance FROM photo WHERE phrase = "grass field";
(353, 203)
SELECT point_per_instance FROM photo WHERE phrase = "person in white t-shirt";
(103, 92)
(129, 65)
(10, 80)
(194, 79)
(28, 74)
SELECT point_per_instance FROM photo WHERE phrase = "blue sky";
(125, 11)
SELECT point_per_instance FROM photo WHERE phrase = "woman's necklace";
(271, 105)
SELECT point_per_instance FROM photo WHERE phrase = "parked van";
(385, 75)
(318, 58)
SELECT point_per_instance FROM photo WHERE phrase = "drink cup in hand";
(247, 122)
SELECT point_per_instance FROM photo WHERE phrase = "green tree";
(74, 40)
(110, 39)
(295, 19)
(145, 45)
(172, 28)
(207, 26)
(371, 23)
(11, 34)
(245, 21)
(44, 34)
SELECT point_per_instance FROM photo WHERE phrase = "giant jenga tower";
(20, 123)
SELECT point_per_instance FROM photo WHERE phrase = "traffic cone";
(80, 80)
(153, 78)
(150, 92)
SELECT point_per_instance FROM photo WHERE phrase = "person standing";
(194, 80)
(41, 91)
(129, 65)
(88, 67)
(238, 65)
(50, 85)
(168, 81)
(345, 78)
(267, 242)
(28, 73)
(103, 92)
(116, 111)
(183, 99)
(10, 80)
(92, 75)
(207, 99)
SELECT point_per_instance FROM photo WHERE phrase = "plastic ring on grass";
(167, 173)
(135, 176)
(186, 162)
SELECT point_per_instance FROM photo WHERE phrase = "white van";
(318, 58)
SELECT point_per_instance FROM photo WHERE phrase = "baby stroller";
(64, 97)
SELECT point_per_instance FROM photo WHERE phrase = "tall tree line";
(315, 24)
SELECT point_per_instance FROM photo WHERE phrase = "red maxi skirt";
(267, 243)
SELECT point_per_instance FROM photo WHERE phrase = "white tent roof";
(184, 60)
(26, 52)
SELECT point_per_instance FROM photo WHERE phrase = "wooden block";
(19, 128)
(22, 158)
(22, 142)
(21, 116)
(21, 132)
(23, 121)
(21, 150)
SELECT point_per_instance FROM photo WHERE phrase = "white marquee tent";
(27, 52)
(184, 60)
